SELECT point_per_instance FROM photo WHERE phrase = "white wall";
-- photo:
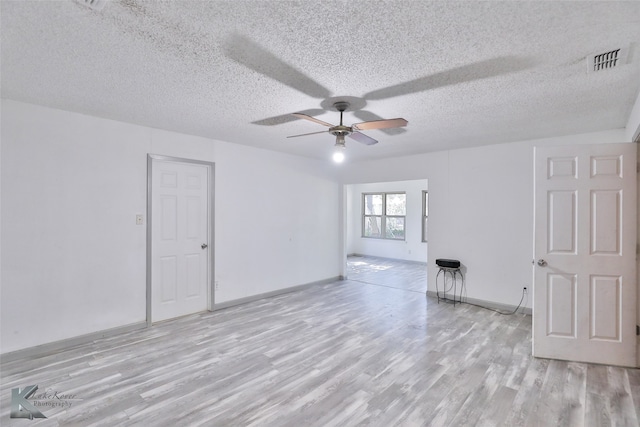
(73, 260)
(277, 222)
(481, 209)
(633, 124)
(412, 248)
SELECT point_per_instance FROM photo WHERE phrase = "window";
(425, 214)
(384, 215)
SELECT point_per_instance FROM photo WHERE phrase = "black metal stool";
(451, 266)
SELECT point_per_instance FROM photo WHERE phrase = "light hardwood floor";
(411, 276)
(349, 353)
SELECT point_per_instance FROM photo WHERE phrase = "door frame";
(211, 222)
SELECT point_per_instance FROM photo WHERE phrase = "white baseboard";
(257, 297)
(489, 304)
(56, 346)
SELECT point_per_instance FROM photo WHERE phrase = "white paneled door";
(585, 253)
(179, 239)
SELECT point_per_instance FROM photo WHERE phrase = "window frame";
(383, 217)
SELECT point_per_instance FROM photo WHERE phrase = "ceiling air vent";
(607, 60)
(93, 4)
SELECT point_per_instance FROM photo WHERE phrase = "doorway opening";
(386, 234)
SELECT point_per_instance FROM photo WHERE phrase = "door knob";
(542, 263)
(204, 246)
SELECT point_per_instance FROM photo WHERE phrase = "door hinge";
(637, 329)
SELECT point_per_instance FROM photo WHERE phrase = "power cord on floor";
(524, 292)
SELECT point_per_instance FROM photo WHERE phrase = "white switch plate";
(139, 219)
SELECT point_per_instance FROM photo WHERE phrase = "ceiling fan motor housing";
(341, 131)
(341, 106)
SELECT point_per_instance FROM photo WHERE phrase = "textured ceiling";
(462, 73)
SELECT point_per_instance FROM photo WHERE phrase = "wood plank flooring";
(411, 276)
(348, 353)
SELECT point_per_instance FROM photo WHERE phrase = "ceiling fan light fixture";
(338, 152)
(338, 156)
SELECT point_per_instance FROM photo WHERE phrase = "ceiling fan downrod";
(341, 130)
(341, 106)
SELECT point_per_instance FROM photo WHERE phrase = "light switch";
(139, 219)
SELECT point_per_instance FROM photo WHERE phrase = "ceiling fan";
(340, 131)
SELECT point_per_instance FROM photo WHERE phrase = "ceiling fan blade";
(380, 124)
(362, 138)
(285, 118)
(248, 53)
(368, 116)
(305, 134)
(466, 73)
(313, 119)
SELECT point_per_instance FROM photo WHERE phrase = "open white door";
(585, 253)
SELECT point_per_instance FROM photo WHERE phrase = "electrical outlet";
(139, 219)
